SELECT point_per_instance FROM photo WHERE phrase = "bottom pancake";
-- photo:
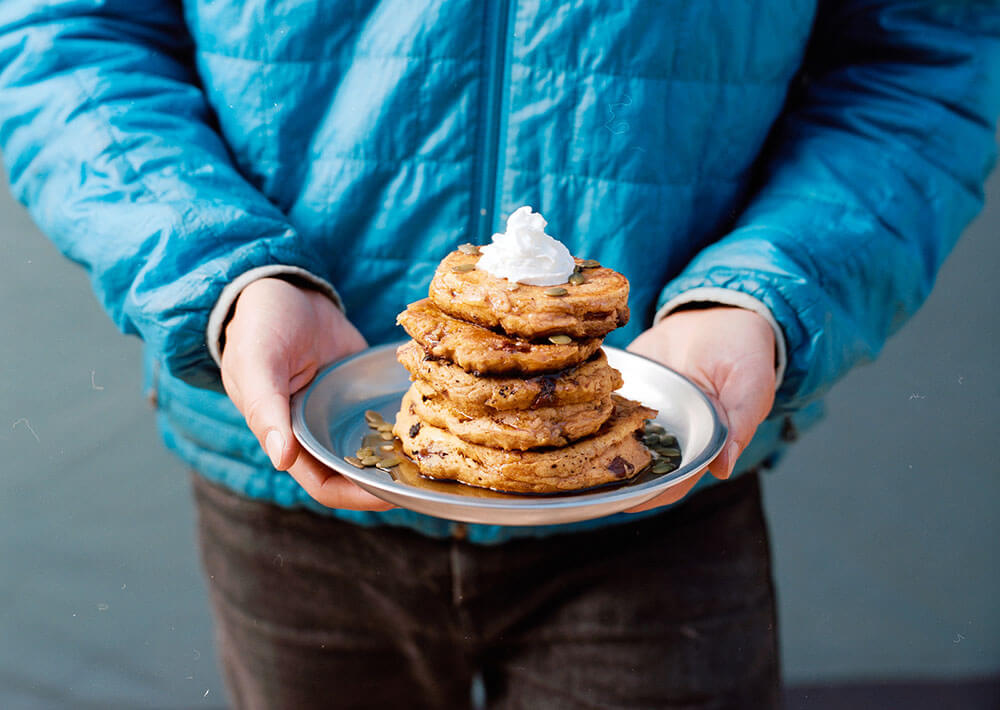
(614, 453)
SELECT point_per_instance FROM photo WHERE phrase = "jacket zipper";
(494, 125)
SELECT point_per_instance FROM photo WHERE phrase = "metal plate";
(328, 419)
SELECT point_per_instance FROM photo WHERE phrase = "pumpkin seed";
(662, 466)
(357, 463)
(669, 451)
(560, 339)
(470, 249)
(654, 428)
(370, 460)
(463, 268)
(651, 439)
(373, 417)
(364, 452)
(371, 440)
(590, 264)
(387, 447)
(576, 278)
(384, 426)
(389, 462)
(386, 435)
(557, 291)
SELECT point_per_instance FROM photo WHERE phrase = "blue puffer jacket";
(820, 157)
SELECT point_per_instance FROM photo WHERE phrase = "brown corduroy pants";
(675, 611)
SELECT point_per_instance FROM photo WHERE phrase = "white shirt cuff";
(739, 299)
(220, 313)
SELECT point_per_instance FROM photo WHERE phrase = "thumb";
(746, 402)
(265, 393)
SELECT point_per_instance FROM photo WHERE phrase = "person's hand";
(277, 340)
(729, 353)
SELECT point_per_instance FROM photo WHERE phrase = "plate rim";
(636, 495)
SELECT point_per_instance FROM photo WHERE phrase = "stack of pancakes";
(511, 389)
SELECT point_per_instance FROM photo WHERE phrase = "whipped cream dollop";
(526, 254)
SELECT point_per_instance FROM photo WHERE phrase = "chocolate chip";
(547, 388)
(620, 467)
(414, 430)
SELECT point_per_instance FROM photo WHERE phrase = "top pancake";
(591, 309)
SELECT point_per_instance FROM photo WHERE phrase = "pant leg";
(312, 612)
(673, 612)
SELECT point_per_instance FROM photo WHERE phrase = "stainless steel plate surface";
(328, 419)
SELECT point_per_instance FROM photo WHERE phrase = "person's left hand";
(729, 353)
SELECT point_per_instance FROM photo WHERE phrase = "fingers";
(263, 392)
(331, 489)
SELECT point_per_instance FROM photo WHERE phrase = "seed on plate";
(557, 291)
(654, 428)
(669, 451)
(560, 339)
(463, 268)
(576, 278)
(662, 466)
(668, 439)
(372, 418)
(387, 447)
(389, 461)
(470, 249)
(384, 426)
(364, 452)
(370, 460)
(357, 463)
(590, 264)
(651, 439)
(386, 435)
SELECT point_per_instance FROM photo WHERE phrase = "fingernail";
(274, 444)
(732, 453)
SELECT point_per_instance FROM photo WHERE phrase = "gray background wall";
(884, 522)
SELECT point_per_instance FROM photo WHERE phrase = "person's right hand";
(279, 337)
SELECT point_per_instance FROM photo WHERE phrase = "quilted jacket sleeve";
(109, 141)
(869, 177)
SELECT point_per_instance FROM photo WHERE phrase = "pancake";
(590, 380)
(510, 429)
(479, 350)
(614, 453)
(591, 309)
